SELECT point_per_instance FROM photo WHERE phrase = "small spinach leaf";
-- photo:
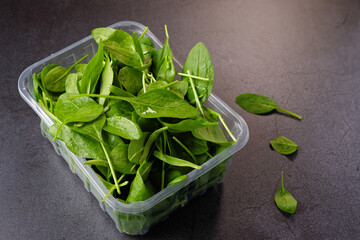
(284, 200)
(119, 159)
(130, 78)
(123, 127)
(107, 77)
(54, 80)
(92, 72)
(175, 161)
(284, 145)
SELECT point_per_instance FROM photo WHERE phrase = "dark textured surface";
(304, 54)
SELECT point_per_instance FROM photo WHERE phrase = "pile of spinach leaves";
(138, 128)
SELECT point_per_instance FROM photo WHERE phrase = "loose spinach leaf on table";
(284, 145)
(259, 104)
(284, 200)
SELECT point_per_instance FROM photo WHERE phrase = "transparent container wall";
(136, 218)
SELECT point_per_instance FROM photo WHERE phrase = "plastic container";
(136, 218)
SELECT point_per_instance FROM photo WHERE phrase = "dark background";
(303, 54)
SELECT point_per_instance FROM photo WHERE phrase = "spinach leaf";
(138, 47)
(71, 83)
(175, 161)
(120, 92)
(119, 158)
(177, 180)
(121, 108)
(146, 45)
(188, 125)
(109, 34)
(130, 78)
(195, 145)
(77, 143)
(199, 63)
(284, 200)
(123, 54)
(123, 127)
(80, 68)
(136, 148)
(258, 104)
(163, 66)
(181, 86)
(155, 85)
(82, 109)
(54, 80)
(149, 143)
(212, 133)
(92, 71)
(138, 190)
(284, 145)
(107, 77)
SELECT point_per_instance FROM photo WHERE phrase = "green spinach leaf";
(199, 63)
(284, 145)
(258, 104)
(54, 80)
(92, 72)
(284, 200)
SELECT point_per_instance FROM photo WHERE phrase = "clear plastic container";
(136, 218)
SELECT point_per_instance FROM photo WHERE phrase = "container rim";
(137, 207)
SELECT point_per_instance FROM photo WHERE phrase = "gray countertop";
(303, 54)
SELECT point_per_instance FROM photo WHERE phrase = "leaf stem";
(143, 82)
(227, 128)
(288, 112)
(72, 66)
(166, 32)
(192, 76)
(49, 113)
(58, 131)
(222, 122)
(143, 33)
(111, 166)
(195, 95)
(185, 148)
(113, 188)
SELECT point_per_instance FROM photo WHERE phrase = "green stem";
(49, 113)
(58, 131)
(185, 148)
(222, 122)
(113, 188)
(192, 76)
(143, 82)
(166, 32)
(227, 128)
(209, 154)
(142, 35)
(111, 167)
(72, 66)
(288, 112)
(195, 95)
